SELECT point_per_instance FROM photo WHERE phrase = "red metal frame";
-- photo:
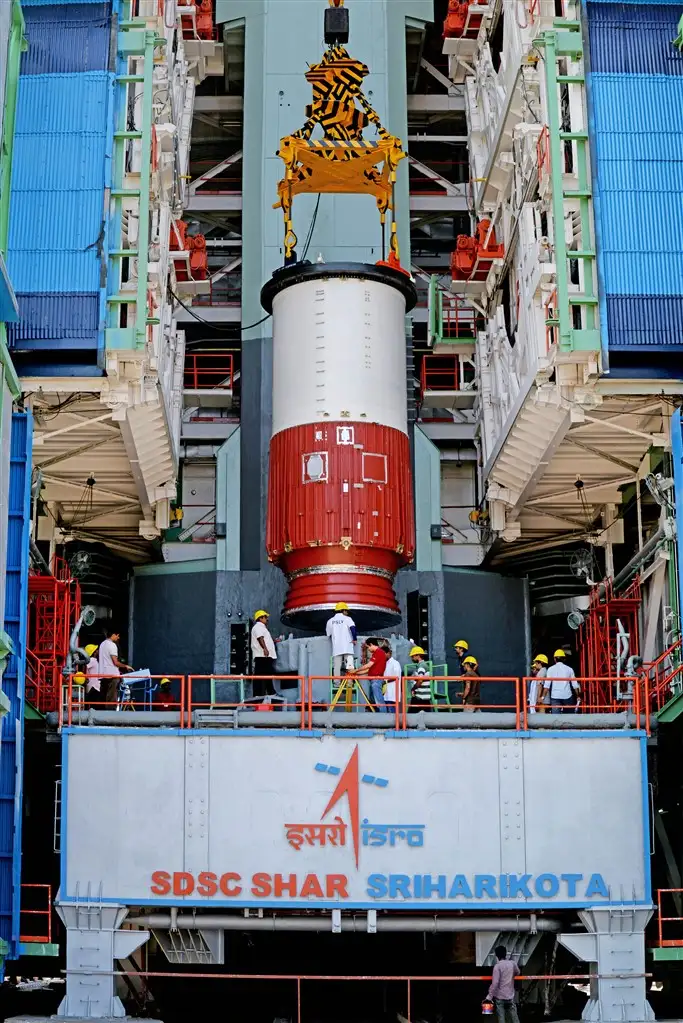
(463, 21)
(439, 373)
(474, 255)
(664, 675)
(37, 938)
(54, 608)
(599, 630)
(212, 370)
(668, 942)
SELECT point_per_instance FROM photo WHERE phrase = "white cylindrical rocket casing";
(339, 353)
(340, 501)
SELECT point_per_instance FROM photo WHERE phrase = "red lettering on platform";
(311, 886)
(183, 884)
(261, 886)
(280, 886)
(207, 884)
(161, 882)
(336, 885)
(225, 884)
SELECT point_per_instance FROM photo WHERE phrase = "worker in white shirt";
(263, 655)
(110, 667)
(392, 674)
(536, 701)
(560, 684)
(341, 630)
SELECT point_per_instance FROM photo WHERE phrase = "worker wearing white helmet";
(561, 685)
(341, 630)
(263, 655)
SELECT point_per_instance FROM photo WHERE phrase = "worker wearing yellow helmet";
(560, 685)
(263, 656)
(471, 694)
(421, 693)
(341, 631)
(92, 672)
(536, 702)
(462, 648)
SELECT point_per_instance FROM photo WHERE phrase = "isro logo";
(347, 796)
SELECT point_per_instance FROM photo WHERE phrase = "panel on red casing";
(326, 488)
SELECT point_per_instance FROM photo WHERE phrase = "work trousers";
(565, 705)
(376, 687)
(506, 1010)
(111, 692)
(339, 662)
(263, 666)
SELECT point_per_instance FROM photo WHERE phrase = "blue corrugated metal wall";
(11, 743)
(61, 162)
(636, 97)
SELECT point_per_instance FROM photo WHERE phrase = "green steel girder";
(565, 40)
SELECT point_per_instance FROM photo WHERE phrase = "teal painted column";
(427, 503)
(281, 38)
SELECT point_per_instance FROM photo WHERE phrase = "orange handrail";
(209, 371)
(668, 942)
(38, 938)
(597, 695)
(439, 373)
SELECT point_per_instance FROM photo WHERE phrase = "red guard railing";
(675, 896)
(439, 373)
(125, 693)
(308, 694)
(197, 697)
(40, 913)
(209, 371)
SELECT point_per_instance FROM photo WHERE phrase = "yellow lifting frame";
(342, 161)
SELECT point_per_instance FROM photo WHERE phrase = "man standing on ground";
(263, 655)
(561, 685)
(502, 989)
(110, 667)
(341, 630)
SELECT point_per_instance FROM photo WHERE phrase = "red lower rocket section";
(340, 519)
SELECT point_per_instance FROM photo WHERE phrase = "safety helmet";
(165, 682)
(462, 643)
(90, 649)
(341, 606)
(260, 614)
(471, 660)
(541, 659)
(416, 650)
(79, 679)
(559, 653)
